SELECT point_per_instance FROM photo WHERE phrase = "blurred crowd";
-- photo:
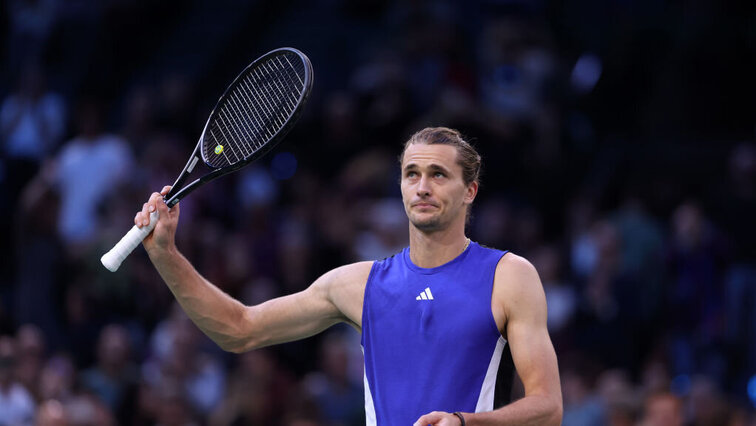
(618, 152)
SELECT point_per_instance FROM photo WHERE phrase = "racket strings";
(235, 121)
(255, 109)
(251, 125)
(242, 119)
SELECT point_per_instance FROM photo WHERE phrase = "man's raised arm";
(332, 298)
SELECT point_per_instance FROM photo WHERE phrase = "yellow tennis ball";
(219, 149)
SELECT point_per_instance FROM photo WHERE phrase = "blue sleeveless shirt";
(430, 340)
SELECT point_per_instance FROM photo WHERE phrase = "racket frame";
(177, 192)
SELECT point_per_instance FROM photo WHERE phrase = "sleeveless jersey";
(430, 340)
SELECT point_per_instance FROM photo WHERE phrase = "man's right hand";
(162, 238)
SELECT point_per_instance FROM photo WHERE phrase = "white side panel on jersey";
(486, 398)
(369, 406)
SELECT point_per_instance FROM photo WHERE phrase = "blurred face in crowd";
(663, 410)
(51, 413)
(113, 349)
(57, 378)
(433, 190)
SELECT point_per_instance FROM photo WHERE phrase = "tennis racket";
(255, 112)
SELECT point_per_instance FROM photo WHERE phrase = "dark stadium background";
(619, 157)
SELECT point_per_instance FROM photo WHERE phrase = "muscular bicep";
(521, 294)
(291, 317)
(334, 297)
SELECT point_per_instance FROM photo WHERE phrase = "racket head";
(257, 109)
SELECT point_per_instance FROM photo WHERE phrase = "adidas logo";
(425, 295)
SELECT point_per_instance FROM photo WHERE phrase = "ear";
(472, 191)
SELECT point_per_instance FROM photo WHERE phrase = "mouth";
(424, 205)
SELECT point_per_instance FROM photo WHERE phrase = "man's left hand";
(438, 418)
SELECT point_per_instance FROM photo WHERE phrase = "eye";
(439, 175)
(411, 174)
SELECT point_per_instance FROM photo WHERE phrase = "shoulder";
(348, 280)
(514, 267)
(344, 288)
(351, 273)
(517, 286)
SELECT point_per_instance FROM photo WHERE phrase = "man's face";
(433, 190)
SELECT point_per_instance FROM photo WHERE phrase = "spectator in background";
(140, 117)
(175, 110)
(113, 379)
(172, 408)
(178, 358)
(85, 410)
(51, 413)
(735, 209)
(35, 243)
(528, 230)
(495, 219)
(581, 215)
(516, 64)
(582, 406)
(561, 297)
(31, 22)
(384, 234)
(742, 416)
(57, 385)
(693, 310)
(705, 404)
(619, 397)
(90, 166)
(32, 122)
(341, 401)
(302, 411)
(56, 381)
(516, 68)
(654, 377)
(258, 391)
(642, 256)
(600, 292)
(662, 409)
(31, 357)
(16, 404)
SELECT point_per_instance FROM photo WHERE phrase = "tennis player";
(445, 323)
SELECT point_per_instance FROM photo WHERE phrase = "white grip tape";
(113, 259)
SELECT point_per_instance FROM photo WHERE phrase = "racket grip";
(113, 259)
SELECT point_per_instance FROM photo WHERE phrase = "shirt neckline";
(429, 271)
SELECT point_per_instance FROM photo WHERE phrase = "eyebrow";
(433, 167)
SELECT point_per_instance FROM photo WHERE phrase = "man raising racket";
(444, 323)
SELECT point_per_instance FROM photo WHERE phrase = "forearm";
(530, 410)
(216, 313)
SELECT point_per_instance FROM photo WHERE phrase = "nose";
(423, 187)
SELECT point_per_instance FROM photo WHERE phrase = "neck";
(428, 250)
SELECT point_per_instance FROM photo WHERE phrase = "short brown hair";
(467, 157)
